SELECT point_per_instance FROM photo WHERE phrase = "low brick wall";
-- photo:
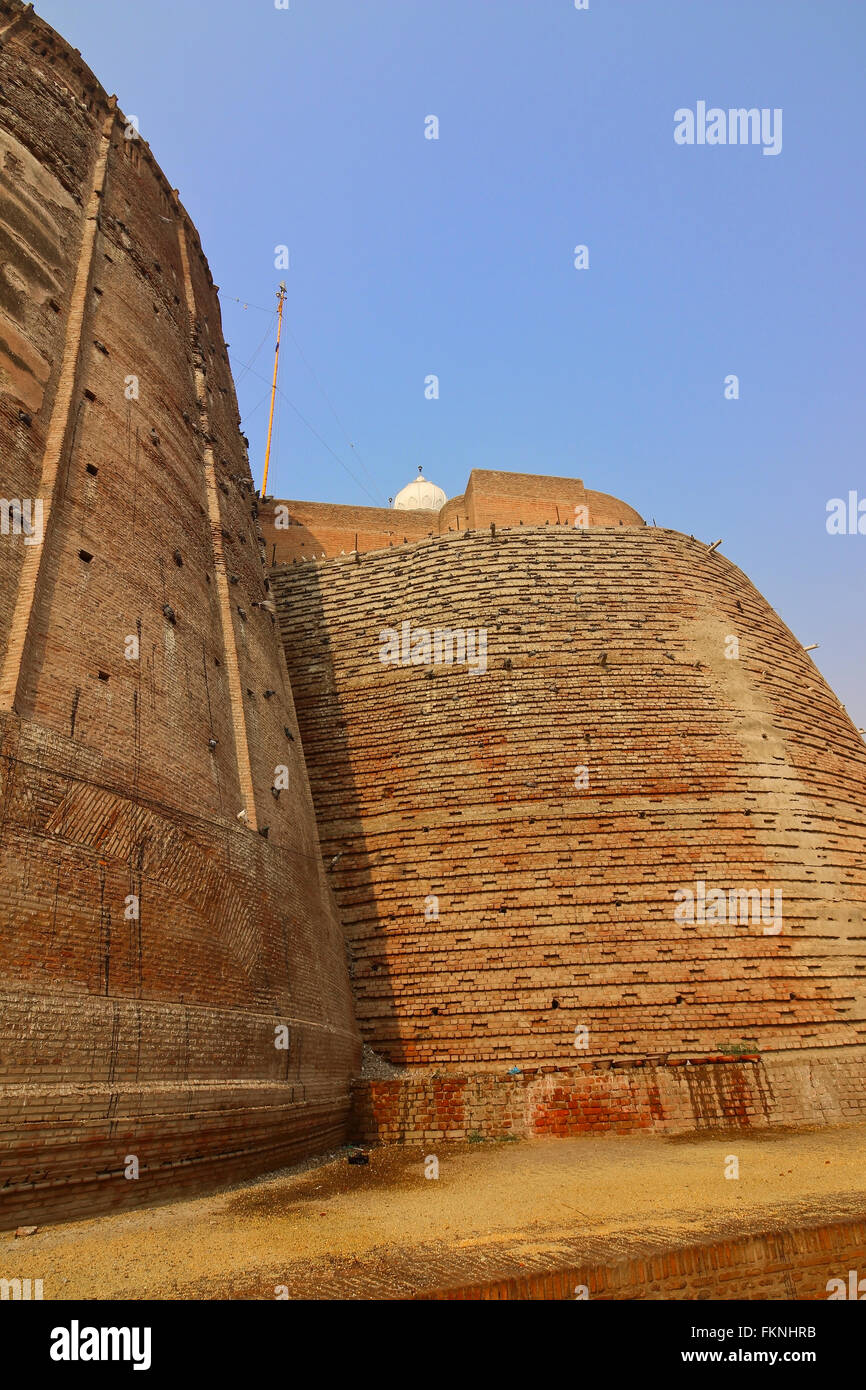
(776, 1265)
(600, 1097)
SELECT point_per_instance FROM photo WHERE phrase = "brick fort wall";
(308, 530)
(151, 942)
(512, 841)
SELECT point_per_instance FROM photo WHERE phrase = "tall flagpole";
(281, 296)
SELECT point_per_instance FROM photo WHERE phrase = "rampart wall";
(512, 840)
(151, 941)
(296, 531)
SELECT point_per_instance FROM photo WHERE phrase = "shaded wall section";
(163, 913)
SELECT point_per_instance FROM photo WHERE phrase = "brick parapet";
(303, 531)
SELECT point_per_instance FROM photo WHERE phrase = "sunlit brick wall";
(512, 841)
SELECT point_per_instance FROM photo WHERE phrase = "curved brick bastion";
(517, 843)
(162, 913)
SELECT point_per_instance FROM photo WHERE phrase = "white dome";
(420, 495)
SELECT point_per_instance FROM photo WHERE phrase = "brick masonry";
(779, 1265)
(151, 1036)
(495, 906)
(494, 901)
(598, 1098)
(296, 531)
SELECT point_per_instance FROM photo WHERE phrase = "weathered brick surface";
(606, 649)
(125, 777)
(597, 1098)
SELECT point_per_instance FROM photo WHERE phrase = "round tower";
(176, 1007)
(593, 801)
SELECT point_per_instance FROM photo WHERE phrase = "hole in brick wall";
(555, 1004)
(435, 1011)
(85, 555)
(103, 675)
(91, 469)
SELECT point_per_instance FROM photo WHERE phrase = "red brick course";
(747, 1094)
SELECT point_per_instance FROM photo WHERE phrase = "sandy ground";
(332, 1229)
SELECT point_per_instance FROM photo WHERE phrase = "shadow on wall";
(346, 854)
(299, 542)
(336, 530)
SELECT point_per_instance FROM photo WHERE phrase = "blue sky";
(409, 257)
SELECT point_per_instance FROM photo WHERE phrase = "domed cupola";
(420, 495)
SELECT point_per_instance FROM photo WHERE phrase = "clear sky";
(409, 257)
